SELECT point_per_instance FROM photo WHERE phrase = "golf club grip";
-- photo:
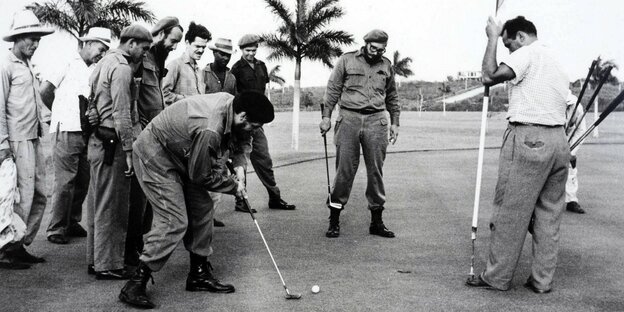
(603, 79)
(614, 103)
(580, 97)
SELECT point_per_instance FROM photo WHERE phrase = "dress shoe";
(574, 207)
(380, 229)
(21, 255)
(76, 230)
(478, 282)
(201, 279)
(58, 239)
(333, 230)
(280, 204)
(11, 264)
(91, 269)
(134, 292)
(242, 206)
(119, 274)
(218, 223)
(531, 286)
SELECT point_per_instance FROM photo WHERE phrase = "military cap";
(165, 23)
(376, 35)
(137, 32)
(249, 39)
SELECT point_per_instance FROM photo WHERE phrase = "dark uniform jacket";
(192, 137)
(151, 101)
(354, 84)
(248, 78)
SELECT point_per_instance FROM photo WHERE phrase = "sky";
(441, 36)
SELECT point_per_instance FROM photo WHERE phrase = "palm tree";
(601, 68)
(302, 35)
(275, 77)
(401, 66)
(77, 16)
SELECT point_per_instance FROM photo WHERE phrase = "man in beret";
(110, 152)
(179, 158)
(20, 129)
(166, 34)
(60, 90)
(362, 84)
(251, 74)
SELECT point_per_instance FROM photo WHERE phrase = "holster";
(109, 143)
(85, 126)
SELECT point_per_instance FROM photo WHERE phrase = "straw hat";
(221, 44)
(100, 34)
(25, 22)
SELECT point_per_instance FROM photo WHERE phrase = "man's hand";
(240, 190)
(494, 29)
(130, 171)
(4, 154)
(94, 118)
(325, 125)
(394, 133)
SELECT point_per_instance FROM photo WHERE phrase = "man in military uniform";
(362, 84)
(179, 158)
(251, 74)
(167, 33)
(110, 152)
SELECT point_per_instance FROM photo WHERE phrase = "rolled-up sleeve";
(334, 87)
(392, 100)
(203, 167)
(4, 96)
(121, 80)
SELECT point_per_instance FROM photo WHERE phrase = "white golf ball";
(316, 289)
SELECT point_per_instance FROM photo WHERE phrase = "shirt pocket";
(355, 78)
(379, 81)
(150, 75)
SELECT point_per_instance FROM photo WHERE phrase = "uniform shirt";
(151, 100)
(70, 81)
(193, 137)
(112, 82)
(184, 78)
(20, 101)
(538, 92)
(355, 84)
(214, 85)
(248, 78)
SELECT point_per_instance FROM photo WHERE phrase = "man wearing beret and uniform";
(217, 75)
(110, 152)
(179, 158)
(251, 74)
(60, 91)
(20, 129)
(362, 84)
(166, 34)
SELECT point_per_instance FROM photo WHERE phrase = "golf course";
(430, 179)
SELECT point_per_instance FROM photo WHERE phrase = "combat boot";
(377, 226)
(200, 277)
(334, 223)
(134, 292)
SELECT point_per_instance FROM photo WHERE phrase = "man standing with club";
(532, 173)
(251, 74)
(179, 158)
(20, 129)
(362, 85)
(60, 91)
(574, 119)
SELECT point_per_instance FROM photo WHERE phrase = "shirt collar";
(209, 68)
(187, 59)
(14, 58)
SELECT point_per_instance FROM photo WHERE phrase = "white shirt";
(538, 92)
(70, 80)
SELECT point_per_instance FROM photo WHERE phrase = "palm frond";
(51, 14)
(401, 65)
(279, 9)
(279, 47)
(275, 77)
(128, 9)
(115, 24)
(334, 37)
(85, 11)
(319, 18)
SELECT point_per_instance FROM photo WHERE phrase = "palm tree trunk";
(296, 102)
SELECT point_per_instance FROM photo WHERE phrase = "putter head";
(293, 296)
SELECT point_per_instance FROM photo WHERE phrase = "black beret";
(137, 32)
(164, 23)
(256, 105)
(376, 35)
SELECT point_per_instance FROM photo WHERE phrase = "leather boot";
(134, 292)
(377, 226)
(200, 277)
(334, 223)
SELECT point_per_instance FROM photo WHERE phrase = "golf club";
(475, 211)
(331, 204)
(603, 79)
(618, 99)
(289, 295)
(578, 100)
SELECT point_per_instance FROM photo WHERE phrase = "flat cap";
(376, 35)
(165, 23)
(136, 31)
(249, 39)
